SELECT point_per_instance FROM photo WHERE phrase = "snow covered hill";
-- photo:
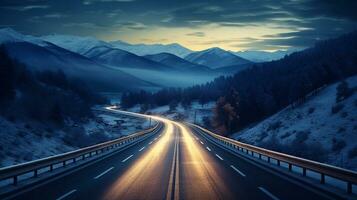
(40, 55)
(123, 59)
(177, 62)
(76, 44)
(25, 141)
(319, 129)
(215, 58)
(146, 49)
(262, 56)
(9, 35)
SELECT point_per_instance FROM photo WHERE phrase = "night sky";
(197, 24)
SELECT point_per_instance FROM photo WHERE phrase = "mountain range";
(215, 58)
(109, 66)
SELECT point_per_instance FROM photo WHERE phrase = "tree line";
(47, 96)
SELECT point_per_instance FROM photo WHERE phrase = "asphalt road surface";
(176, 163)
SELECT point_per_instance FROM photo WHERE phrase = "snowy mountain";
(76, 44)
(177, 62)
(147, 49)
(48, 56)
(262, 56)
(9, 35)
(215, 58)
(122, 59)
(327, 126)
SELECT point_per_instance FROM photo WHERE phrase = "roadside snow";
(194, 113)
(313, 124)
(25, 141)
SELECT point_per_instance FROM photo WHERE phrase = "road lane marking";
(219, 157)
(155, 139)
(66, 195)
(150, 142)
(196, 138)
(173, 188)
(127, 158)
(237, 170)
(142, 148)
(268, 193)
(208, 148)
(106, 171)
(201, 142)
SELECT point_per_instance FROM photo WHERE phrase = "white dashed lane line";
(218, 156)
(208, 148)
(66, 195)
(142, 148)
(237, 170)
(201, 142)
(101, 174)
(268, 193)
(127, 158)
(150, 142)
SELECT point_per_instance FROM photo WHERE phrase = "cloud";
(28, 7)
(196, 34)
(131, 25)
(89, 2)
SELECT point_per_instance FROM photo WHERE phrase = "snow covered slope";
(39, 55)
(215, 58)
(319, 129)
(122, 59)
(146, 49)
(177, 62)
(76, 44)
(25, 141)
(9, 35)
(262, 56)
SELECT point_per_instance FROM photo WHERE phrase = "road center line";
(67, 194)
(219, 157)
(127, 158)
(208, 148)
(237, 170)
(142, 148)
(268, 193)
(106, 171)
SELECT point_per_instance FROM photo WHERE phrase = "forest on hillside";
(257, 92)
(46, 96)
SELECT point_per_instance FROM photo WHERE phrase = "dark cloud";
(307, 20)
(196, 34)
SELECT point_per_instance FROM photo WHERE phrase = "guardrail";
(13, 172)
(347, 176)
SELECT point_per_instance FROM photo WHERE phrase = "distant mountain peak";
(215, 58)
(10, 35)
(147, 49)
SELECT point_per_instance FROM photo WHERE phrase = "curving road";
(177, 163)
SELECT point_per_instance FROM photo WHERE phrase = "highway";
(176, 163)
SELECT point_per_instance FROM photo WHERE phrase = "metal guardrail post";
(347, 176)
(13, 172)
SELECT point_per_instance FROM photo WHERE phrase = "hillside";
(177, 62)
(76, 44)
(147, 49)
(122, 59)
(319, 128)
(215, 58)
(40, 55)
